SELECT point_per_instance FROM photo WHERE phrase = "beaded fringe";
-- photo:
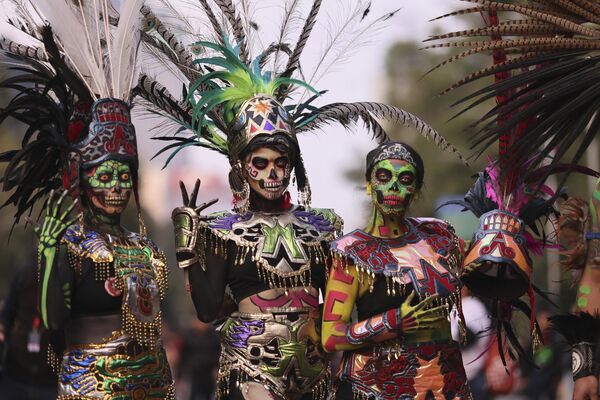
(208, 240)
(53, 359)
(146, 333)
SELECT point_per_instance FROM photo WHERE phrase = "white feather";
(79, 47)
(125, 47)
(104, 57)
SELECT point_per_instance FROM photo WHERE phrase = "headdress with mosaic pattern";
(72, 74)
(234, 99)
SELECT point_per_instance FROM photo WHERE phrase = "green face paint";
(110, 174)
(393, 184)
(108, 187)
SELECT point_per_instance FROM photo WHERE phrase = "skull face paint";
(268, 172)
(108, 187)
(393, 184)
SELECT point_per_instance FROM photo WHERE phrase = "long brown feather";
(544, 16)
(526, 45)
(464, 11)
(490, 70)
(589, 5)
(574, 8)
(219, 32)
(552, 42)
(228, 10)
(525, 28)
(303, 38)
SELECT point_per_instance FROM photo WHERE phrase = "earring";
(305, 195)
(81, 224)
(142, 225)
(241, 197)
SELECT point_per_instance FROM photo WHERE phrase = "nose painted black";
(395, 186)
(379, 194)
(272, 174)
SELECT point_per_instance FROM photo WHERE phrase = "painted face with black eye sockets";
(393, 184)
(108, 187)
(268, 172)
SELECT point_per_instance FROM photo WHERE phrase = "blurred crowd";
(193, 353)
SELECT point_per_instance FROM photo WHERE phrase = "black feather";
(576, 328)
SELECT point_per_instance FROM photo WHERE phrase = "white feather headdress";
(100, 47)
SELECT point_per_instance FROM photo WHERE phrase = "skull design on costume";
(108, 187)
(268, 172)
(393, 184)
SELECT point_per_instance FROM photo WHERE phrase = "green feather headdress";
(218, 86)
(233, 85)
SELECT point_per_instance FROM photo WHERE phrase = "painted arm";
(588, 300)
(338, 333)
(206, 271)
(55, 278)
(588, 296)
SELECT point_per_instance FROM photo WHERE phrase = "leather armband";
(582, 332)
(186, 224)
(583, 363)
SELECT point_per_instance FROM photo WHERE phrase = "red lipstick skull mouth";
(393, 200)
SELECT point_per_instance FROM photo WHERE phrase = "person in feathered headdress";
(546, 85)
(271, 254)
(100, 282)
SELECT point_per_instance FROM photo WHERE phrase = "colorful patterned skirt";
(405, 371)
(276, 351)
(117, 369)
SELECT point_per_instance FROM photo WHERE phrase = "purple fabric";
(226, 221)
(319, 222)
(240, 331)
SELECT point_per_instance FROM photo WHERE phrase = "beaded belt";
(117, 368)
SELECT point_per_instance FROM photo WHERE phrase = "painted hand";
(185, 221)
(420, 316)
(55, 222)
